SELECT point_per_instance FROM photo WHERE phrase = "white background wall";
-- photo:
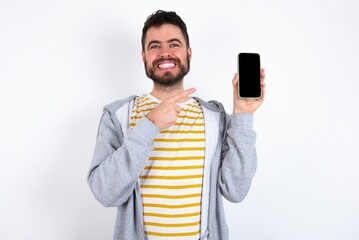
(62, 61)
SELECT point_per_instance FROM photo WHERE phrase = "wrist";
(148, 116)
(240, 111)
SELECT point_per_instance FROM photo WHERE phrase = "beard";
(168, 79)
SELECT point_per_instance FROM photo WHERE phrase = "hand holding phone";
(249, 85)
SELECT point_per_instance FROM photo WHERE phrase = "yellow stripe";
(179, 124)
(142, 110)
(189, 117)
(172, 177)
(172, 215)
(139, 100)
(171, 206)
(173, 167)
(171, 225)
(191, 111)
(172, 234)
(179, 149)
(149, 109)
(172, 187)
(176, 158)
(189, 124)
(182, 131)
(146, 104)
(136, 117)
(170, 196)
(178, 140)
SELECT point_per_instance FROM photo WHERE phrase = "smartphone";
(249, 85)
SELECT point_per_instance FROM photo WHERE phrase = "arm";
(118, 162)
(239, 158)
(239, 153)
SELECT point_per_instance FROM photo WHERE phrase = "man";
(165, 159)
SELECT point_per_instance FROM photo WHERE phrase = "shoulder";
(114, 106)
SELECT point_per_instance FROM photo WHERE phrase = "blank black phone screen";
(249, 85)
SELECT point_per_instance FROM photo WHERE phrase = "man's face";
(166, 56)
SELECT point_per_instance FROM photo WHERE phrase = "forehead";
(164, 33)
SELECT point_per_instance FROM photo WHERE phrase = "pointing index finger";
(182, 95)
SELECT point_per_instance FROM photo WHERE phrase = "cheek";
(183, 56)
(150, 58)
(146, 56)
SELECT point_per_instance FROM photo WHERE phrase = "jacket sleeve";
(118, 161)
(239, 157)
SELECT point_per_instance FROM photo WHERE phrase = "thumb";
(235, 79)
(235, 84)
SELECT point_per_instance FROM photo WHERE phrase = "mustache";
(177, 61)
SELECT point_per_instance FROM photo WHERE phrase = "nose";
(165, 52)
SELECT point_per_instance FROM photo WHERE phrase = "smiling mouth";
(166, 65)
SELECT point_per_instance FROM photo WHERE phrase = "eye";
(154, 46)
(173, 45)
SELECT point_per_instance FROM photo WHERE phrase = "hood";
(212, 105)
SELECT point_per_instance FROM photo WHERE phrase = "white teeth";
(166, 65)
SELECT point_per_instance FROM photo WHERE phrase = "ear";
(189, 52)
(143, 56)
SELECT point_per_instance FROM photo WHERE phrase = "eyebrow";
(168, 41)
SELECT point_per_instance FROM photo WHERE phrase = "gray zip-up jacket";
(121, 153)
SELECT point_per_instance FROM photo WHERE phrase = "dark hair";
(161, 17)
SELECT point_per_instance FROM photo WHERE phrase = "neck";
(163, 92)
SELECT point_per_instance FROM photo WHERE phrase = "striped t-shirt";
(171, 183)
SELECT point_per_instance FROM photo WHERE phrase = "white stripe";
(173, 210)
(170, 221)
(170, 173)
(172, 201)
(173, 230)
(172, 192)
